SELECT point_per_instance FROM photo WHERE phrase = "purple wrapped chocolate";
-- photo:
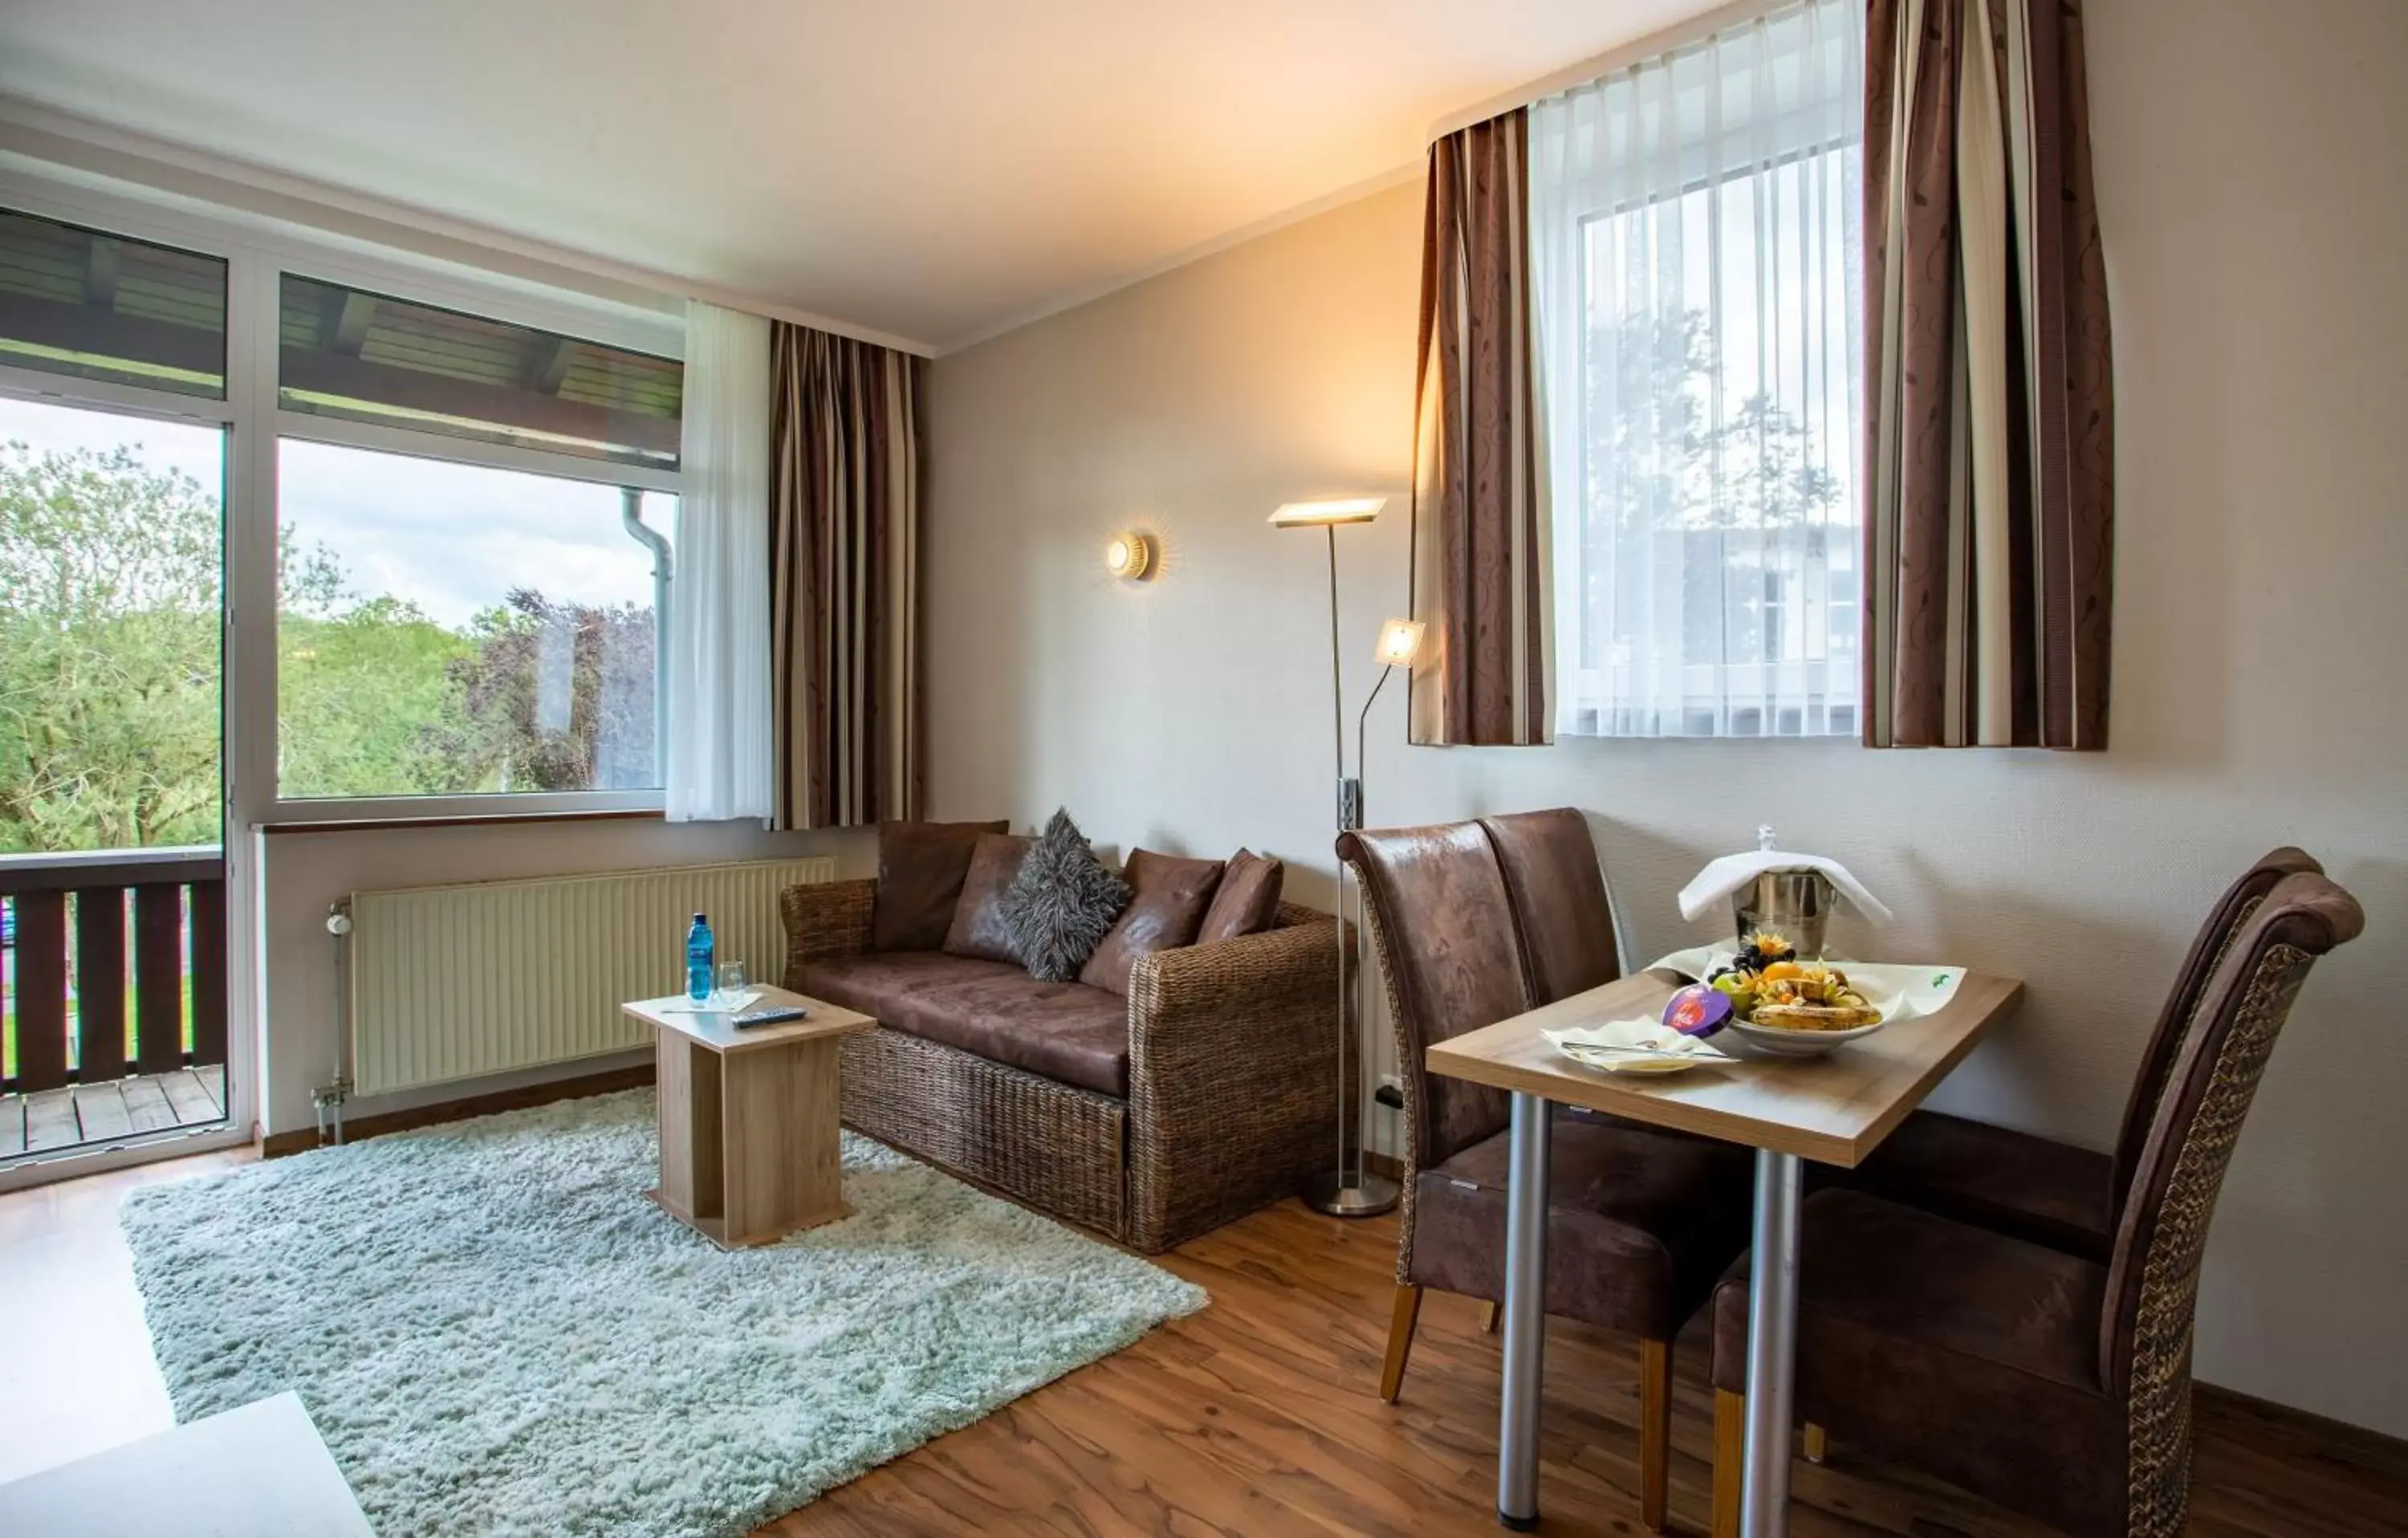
(1698, 1010)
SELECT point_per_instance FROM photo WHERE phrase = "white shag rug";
(498, 1333)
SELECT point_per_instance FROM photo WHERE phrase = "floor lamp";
(1347, 1190)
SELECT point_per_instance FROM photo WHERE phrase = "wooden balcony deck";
(117, 1108)
(112, 995)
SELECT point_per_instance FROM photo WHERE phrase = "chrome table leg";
(1526, 1313)
(1771, 1359)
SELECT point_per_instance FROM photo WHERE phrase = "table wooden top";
(713, 1030)
(1836, 1109)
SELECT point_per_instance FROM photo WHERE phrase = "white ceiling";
(931, 168)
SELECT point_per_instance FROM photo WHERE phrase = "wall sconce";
(1128, 553)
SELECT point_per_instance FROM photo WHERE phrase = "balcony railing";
(115, 965)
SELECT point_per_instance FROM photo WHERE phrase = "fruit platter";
(1762, 1001)
(1778, 1003)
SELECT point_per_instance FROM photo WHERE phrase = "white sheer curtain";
(719, 733)
(1697, 258)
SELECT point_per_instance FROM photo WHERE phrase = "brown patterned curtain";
(1481, 576)
(1990, 526)
(844, 534)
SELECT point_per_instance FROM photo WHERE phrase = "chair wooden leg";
(1654, 1430)
(1491, 1316)
(1817, 1444)
(1401, 1340)
(1730, 1453)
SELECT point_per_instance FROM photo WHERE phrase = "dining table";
(1834, 1109)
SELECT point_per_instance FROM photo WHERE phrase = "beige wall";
(2248, 184)
(304, 872)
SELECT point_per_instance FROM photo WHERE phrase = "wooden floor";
(81, 1114)
(1256, 1416)
(1260, 1415)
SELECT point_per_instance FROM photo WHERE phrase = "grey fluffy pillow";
(1062, 903)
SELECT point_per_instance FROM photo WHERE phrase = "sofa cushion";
(1247, 900)
(1065, 1031)
(1166, 908)
(920, 871)
(979, 928)
(1061, 903)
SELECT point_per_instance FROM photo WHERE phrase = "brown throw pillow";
(1247, 900)
(1170, 896)
(978, 928)
(920, 871)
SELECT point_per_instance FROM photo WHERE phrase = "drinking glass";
(731, 980)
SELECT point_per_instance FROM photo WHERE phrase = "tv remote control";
(777, 1017)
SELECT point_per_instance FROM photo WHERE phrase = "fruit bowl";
(1768, 972)
(1790, 1042)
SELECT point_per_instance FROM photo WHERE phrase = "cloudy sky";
(451, 538)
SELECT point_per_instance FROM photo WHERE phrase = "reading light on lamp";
(1129, 554)
(1400, 641)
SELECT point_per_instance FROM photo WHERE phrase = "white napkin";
(1644, 1032)
(1722, 877)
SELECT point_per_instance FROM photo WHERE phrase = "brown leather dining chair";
(2053, 1193)
(2054, 1385)
(1474, 923)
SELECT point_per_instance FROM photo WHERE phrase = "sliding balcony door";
(114, 987)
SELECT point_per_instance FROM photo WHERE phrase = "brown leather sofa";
(1183, 1082)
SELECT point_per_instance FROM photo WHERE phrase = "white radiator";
(457, 982)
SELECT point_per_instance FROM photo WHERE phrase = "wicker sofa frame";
(1232, 1089)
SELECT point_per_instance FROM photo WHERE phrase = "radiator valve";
(330, 1097)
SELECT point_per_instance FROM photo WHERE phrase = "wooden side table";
(749, 1118)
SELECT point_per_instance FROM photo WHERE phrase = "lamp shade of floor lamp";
(1346, 1190)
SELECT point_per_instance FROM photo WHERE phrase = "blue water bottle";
(698, 948)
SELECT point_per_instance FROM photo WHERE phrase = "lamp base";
(1365, 1195)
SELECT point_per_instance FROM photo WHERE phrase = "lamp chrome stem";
(1348, 1191)
(1338, 747)
(1336, 687)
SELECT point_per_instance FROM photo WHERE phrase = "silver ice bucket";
(1794, 904)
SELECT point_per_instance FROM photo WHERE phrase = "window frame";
(1575, 618)
(258, 253)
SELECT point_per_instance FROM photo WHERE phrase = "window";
(472, 552)
(1696, 258)
(450, 550)
(112, 567)
(101, 306)
(450, 629)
